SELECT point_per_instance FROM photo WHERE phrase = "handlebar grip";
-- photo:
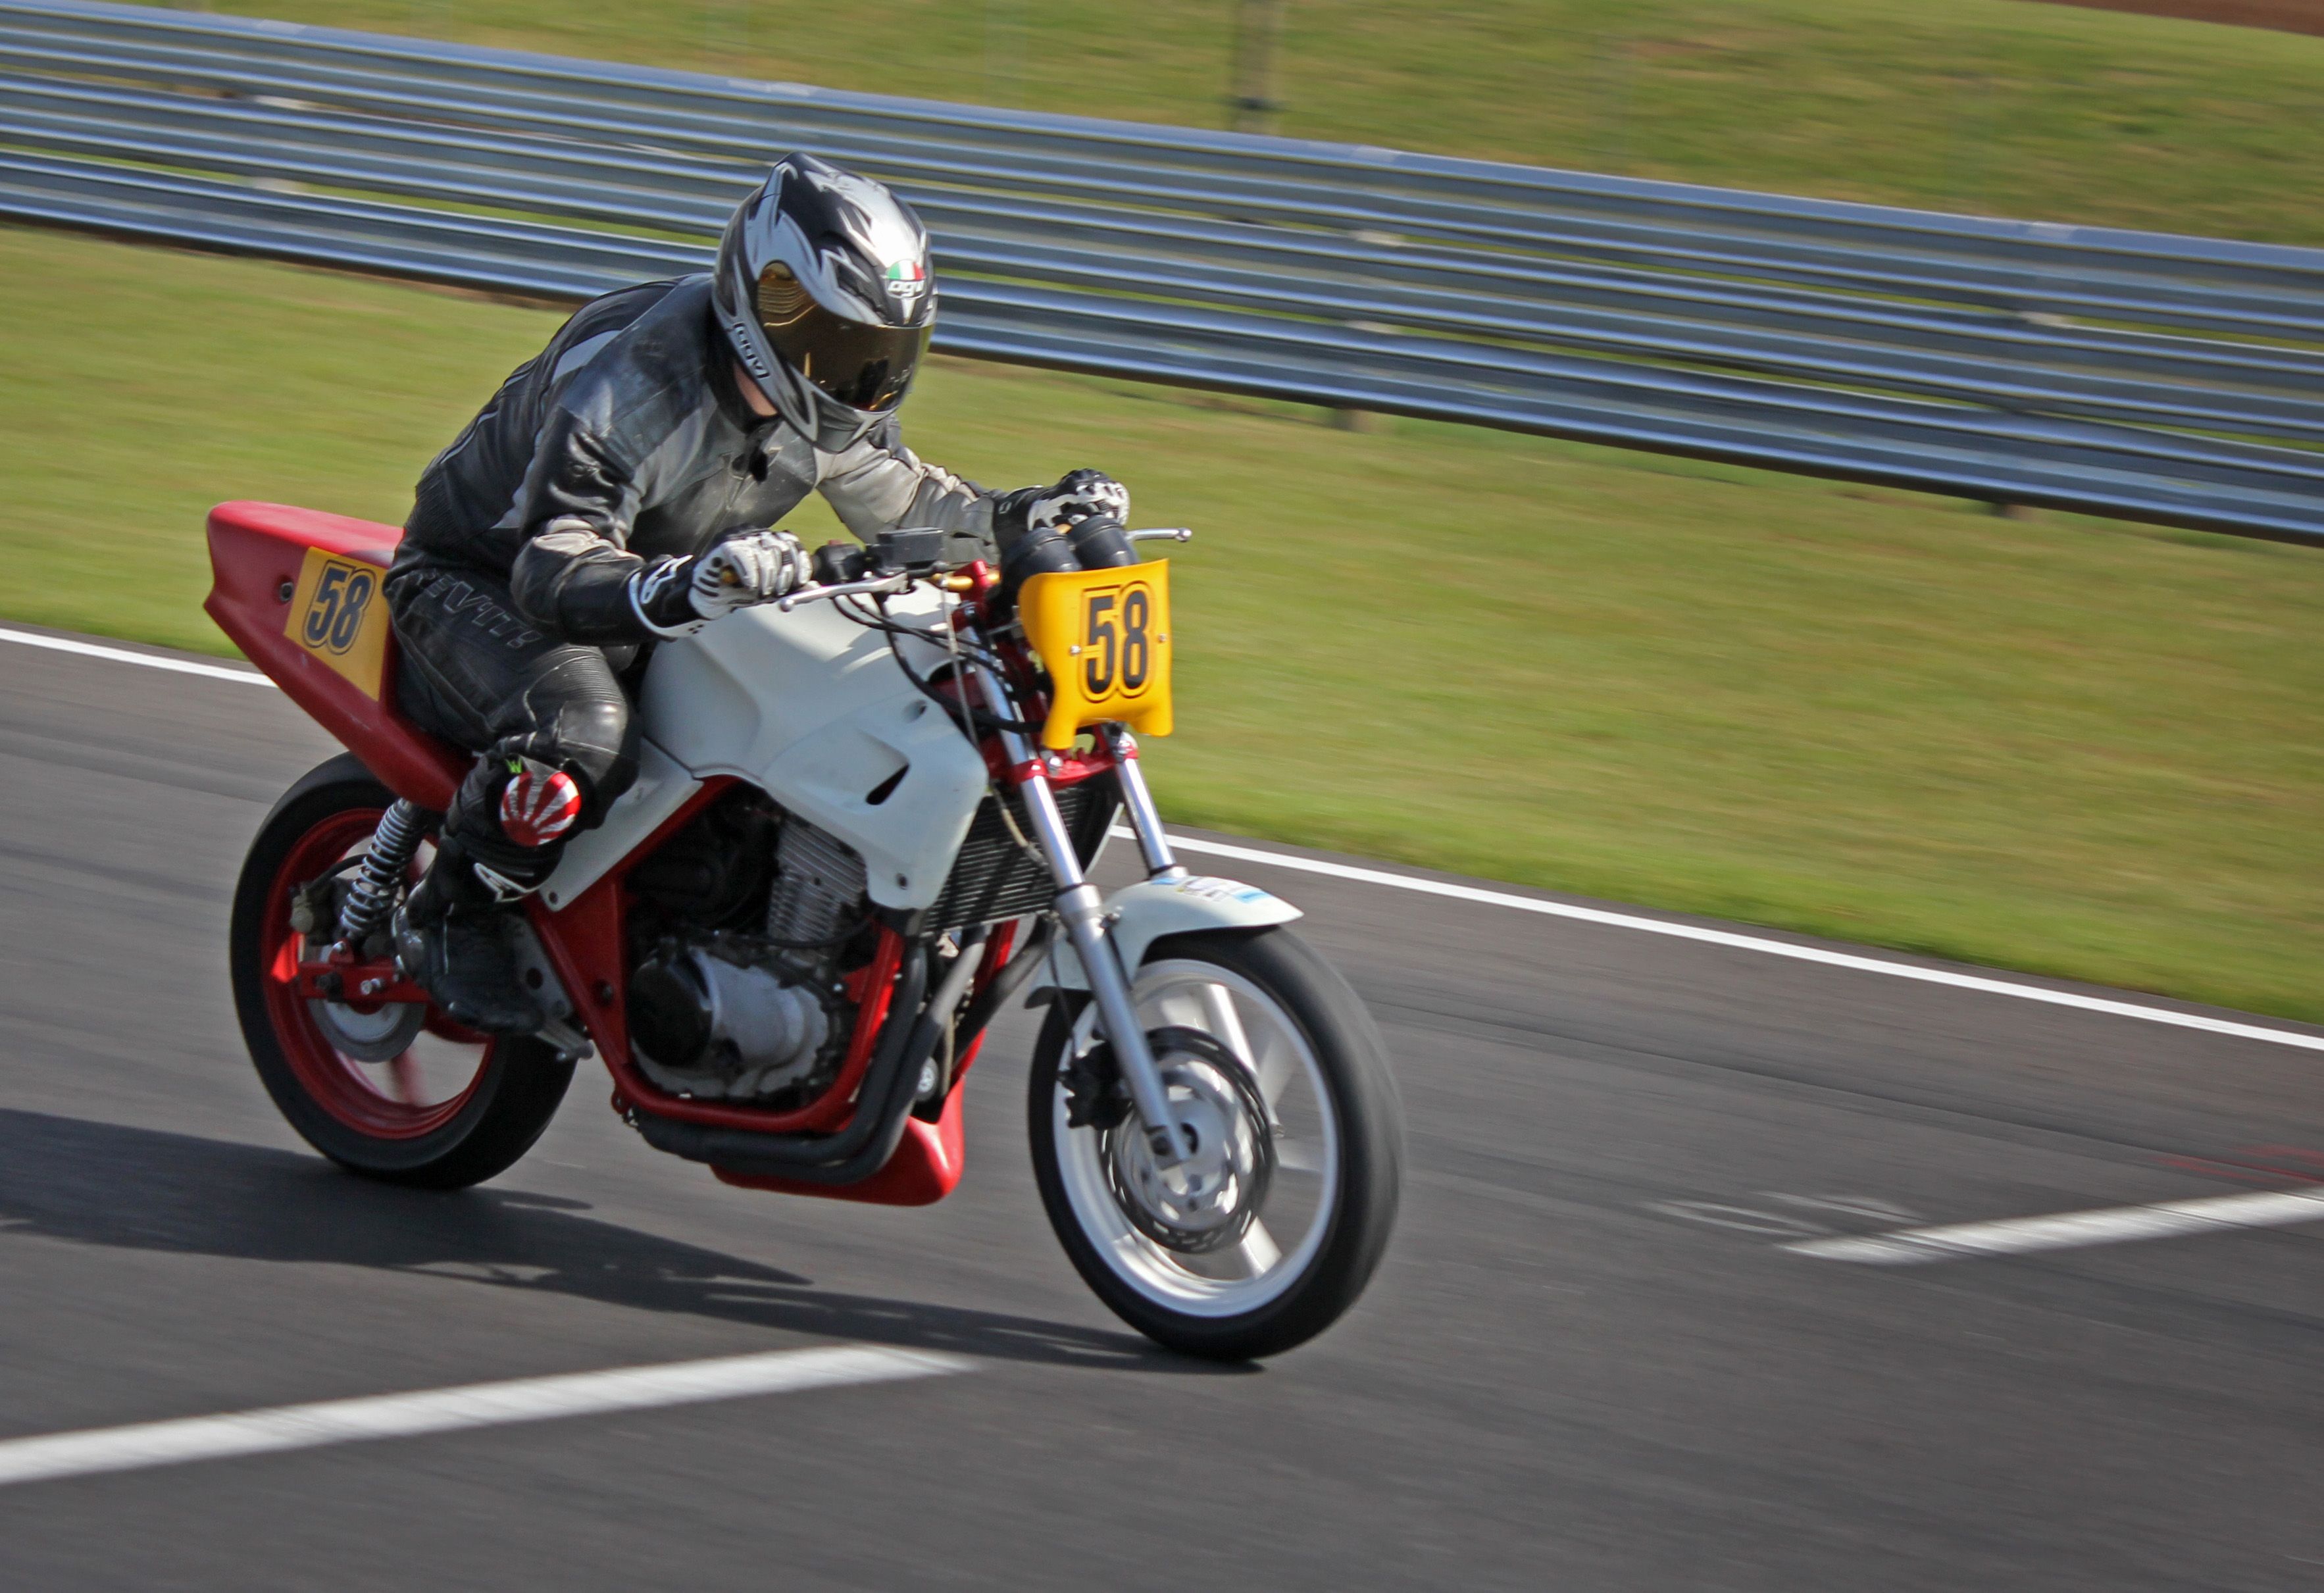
(1099, 543)
(1043, 550)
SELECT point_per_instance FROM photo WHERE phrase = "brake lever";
(1168, 534)
(877, 583)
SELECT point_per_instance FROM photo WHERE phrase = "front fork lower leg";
(1082, 911)
(1084, 914)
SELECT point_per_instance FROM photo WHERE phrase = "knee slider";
(538, 804)
(513, 812)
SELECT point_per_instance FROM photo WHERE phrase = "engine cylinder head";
(818, 890)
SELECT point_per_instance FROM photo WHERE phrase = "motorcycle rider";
(617, 488)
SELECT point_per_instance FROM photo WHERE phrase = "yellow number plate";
(338, 617)
(1105, 638)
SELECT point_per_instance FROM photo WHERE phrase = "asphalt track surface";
(1588, 1363)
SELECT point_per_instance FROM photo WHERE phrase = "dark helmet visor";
(866, 366)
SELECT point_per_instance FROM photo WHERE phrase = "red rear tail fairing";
(260, 560)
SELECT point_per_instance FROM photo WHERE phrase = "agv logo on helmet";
(908, 278)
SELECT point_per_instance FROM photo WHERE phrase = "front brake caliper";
(1095, 1095)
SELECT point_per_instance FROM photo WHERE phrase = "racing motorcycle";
(866, 820)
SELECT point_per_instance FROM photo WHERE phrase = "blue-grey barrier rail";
(2174, 379)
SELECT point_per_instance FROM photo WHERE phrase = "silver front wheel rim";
(1243, 1221)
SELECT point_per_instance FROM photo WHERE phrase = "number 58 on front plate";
(1104, 636)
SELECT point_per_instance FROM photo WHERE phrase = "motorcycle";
(864, 820)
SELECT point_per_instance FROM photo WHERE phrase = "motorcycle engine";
(758, 1012)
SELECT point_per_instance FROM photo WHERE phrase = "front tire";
(1272, 1231)
(447, 1110)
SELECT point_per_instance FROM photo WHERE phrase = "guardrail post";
(1259, 28)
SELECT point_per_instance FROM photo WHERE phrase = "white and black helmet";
(825, 289)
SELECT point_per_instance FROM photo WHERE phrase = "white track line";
(2070, 1230)
(124, 656)
(1502, 899)
(449, 1410)
(1752, 942)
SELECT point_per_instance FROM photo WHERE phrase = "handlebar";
(895, 559)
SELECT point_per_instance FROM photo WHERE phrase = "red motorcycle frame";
(259, 552)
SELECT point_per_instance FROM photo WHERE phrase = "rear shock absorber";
(371, 894)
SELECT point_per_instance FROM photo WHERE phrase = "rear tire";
(496, 1097)
(1264, 1044)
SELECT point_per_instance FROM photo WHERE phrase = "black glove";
(1080, 495)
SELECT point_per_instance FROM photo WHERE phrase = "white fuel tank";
(811, 707)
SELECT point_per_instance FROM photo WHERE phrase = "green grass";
(2056, 744)
(1997, 107)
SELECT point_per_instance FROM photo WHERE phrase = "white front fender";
(1137, 915)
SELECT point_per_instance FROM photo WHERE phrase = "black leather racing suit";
(622, 441)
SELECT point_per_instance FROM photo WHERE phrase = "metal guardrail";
(2142, 376)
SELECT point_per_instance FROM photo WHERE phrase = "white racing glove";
(679, 597)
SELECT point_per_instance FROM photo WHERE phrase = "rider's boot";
(456, 934)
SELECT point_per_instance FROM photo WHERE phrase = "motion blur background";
(2051, 743)
(2040, 742)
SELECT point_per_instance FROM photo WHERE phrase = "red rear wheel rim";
(337, 1084)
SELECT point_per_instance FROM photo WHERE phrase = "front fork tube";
(1082, 911)
(1138, 805)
